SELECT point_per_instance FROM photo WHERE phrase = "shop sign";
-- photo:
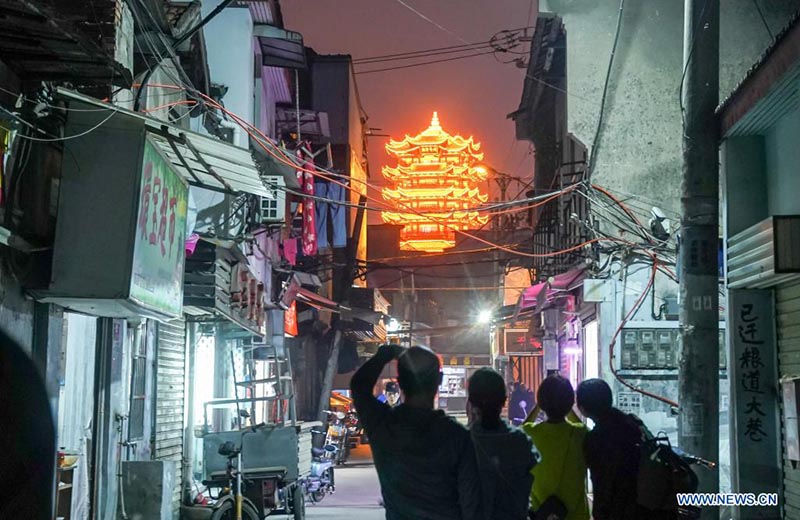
(290, 320)
(466, 361)
(158, 254)
(247, 298)
(454, 382)
(519, 341)
(754, 389)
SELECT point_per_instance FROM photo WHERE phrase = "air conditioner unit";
(766, 254)
(273, 208)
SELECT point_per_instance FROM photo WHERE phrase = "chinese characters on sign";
(158, 255)
(753, 377)
(306, 179)
(750, 363)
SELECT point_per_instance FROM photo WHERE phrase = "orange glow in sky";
(434, 188)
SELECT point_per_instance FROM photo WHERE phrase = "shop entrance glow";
(436, 188)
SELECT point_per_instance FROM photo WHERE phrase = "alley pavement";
(357, 492)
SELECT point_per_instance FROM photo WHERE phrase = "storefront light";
(572, 348)
(393, 325)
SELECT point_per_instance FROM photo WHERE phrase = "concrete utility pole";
(343, 296)
(698, 425)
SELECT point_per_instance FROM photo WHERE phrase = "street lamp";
(485, 316)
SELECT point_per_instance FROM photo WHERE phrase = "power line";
(429, 20)
(510, 39)
(596, 140)
(430, 55)
(425, 63)
(52, 139)
(764, 20)
(450, 48)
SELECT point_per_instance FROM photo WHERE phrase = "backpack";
(662, 472)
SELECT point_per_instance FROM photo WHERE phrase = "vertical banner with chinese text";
(753, 376)
(158, 254)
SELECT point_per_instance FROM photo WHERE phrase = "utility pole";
(343, 296)
(698, 424)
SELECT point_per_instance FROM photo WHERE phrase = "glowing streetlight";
(485, 316)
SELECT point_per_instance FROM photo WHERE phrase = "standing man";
(391, 394)
(612, 454)
(425, 460)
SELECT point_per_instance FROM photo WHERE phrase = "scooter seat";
(317, 452)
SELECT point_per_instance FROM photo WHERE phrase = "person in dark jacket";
(28, 438)
(425, 460)
(506, 455)
(612, 454)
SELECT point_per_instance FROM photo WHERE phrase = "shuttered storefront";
(170, 369)
(787, 312)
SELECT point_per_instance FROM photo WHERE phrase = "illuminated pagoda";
(435, 188)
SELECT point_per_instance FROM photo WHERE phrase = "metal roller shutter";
(787, 312)
(170, 369)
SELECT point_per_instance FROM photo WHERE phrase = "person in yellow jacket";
(559, 483)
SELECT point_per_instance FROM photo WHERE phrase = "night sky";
(473, 96)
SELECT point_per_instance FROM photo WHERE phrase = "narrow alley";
(357, 492)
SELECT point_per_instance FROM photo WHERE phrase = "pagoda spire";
(435, 121)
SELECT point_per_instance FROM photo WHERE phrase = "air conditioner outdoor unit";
(766, 254)
(273, 208)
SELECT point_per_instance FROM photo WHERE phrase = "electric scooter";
(321, 482)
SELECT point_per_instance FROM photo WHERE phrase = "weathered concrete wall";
(16, 311)
(640, 144)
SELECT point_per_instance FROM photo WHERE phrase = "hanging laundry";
(306, 179)
(331, 216)
(290, 250)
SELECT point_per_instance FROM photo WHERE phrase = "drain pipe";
(188, 434)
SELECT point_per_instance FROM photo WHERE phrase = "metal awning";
(203, 161)
(279, 47)
(272, 165)
(319, 302)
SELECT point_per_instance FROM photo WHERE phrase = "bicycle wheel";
(227, 511)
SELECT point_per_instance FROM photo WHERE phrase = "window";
(138, 387)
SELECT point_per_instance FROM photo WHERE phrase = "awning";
(318, 302)
(279, 47)
(536, 296)
(272, 166)
(203, 161)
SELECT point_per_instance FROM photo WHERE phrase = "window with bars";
(138, 388)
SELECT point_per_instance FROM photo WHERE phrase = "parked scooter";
(692, 512)
(337, 435)
(354, 430)
(321, 481)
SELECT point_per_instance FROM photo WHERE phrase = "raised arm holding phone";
(425, 460)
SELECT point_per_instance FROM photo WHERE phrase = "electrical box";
(273, 208)
(147, 487)
(647, 357)
(629, 402)
(630, 350)
(650, 348)
(791, 437)
(666, 349)
(120, 239)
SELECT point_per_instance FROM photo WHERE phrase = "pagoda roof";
(434, 135)
(444, 192)
(434, 169)
(456, 219)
